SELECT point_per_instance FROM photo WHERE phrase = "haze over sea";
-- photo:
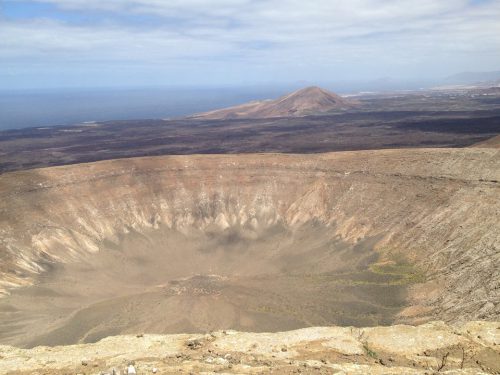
(35, 108)
(25, 108)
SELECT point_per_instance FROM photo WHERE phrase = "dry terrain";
(251, 242)
(435, 119)
(112, 260)
(433, 348)
(307, 101)
(493, 142)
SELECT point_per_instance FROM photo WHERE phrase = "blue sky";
(90, 43)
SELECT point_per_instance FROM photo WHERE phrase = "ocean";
(37, 108)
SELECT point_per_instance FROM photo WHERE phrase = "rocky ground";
(432, 348)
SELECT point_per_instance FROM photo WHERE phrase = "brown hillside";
(489, 143)
(307, 101)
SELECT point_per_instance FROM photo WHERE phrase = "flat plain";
(428, 119)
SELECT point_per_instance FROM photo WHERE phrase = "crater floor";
(164, 281)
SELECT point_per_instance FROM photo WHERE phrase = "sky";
(128, 43)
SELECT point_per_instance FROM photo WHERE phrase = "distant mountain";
(310, 100)
(473, 77)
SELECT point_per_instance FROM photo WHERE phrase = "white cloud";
(314, 34)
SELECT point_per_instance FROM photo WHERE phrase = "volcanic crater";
(266, 242)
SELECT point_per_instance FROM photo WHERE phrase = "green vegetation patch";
(369, 351)
(403, 273)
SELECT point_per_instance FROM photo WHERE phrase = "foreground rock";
(472, 348)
